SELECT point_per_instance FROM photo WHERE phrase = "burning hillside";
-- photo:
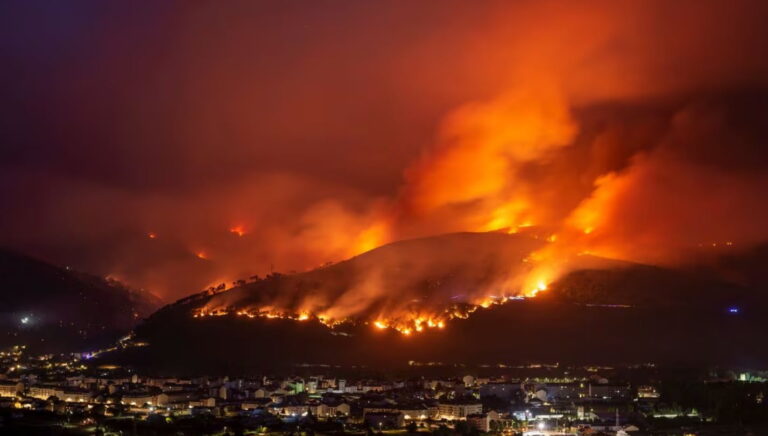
(410, 286)
(614, 311)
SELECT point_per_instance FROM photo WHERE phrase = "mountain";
(604, 312)
(426, 275)
(55, 309)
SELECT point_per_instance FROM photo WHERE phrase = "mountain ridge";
(622, 312)
(56, 309)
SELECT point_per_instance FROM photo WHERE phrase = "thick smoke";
(184, 145)
(479, 160)
(700, 187)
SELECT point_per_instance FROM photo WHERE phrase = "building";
(74, 395)
(291, 409)
(332, 409)
(10, 388)
(610, 392)
(417, 412)
(552, 392)
(209, 402)
(480, 421)
(176, 398)
(139, 399)
(458, 409)
(647, 392)
(502, 390)
(43, 392)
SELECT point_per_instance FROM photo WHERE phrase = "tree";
(412, 427)
(442, 430)
(494, 426)
(462, 428)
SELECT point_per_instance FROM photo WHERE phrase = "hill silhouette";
(607, 312)
(55, 309)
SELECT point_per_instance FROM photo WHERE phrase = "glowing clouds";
(476, 176)
(481, 147)
(686, 190)
(370, 238)
(306, 171)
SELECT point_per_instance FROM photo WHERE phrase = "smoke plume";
(179, 146)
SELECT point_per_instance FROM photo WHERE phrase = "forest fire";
(416, 218)
(405, 324)
(542, 138)
(406, 288)
(550, 143)
(481, 154)
(408, 319)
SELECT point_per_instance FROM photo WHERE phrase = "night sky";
(173, 145)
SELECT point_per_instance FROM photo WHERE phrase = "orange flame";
(472, 179)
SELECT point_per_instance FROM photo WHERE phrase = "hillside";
(53, 309)
(426, 274)
(612, 312)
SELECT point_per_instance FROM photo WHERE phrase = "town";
(69, 393)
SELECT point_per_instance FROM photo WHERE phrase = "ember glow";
(237, 230)
(286, 140)
(403, 325)
(413, 294)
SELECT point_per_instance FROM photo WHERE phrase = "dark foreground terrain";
(50, 308)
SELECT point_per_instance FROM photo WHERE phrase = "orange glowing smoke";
(481, 150)
(570, 124)
(473, 179)
(526, 162)
(370, 238)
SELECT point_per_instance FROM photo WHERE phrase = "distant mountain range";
(55, 309)
(607, 312)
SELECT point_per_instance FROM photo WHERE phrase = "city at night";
(384, 218)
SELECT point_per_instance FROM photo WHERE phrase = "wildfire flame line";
(406, 325)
